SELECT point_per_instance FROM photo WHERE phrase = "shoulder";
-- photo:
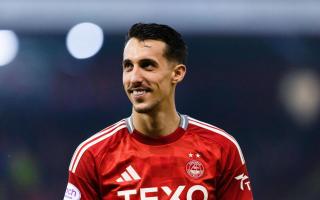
(93, 145)
(213, 133)
(210, 131)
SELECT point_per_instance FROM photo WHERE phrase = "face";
(148, 77)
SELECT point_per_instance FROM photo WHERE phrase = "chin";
(143, 108)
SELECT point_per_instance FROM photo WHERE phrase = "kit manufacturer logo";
(128, 175)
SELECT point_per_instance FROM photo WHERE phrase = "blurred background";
(253, 70)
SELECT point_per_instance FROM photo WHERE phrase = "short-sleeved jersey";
(196, 161)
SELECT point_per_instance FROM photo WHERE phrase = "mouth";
(138, 92)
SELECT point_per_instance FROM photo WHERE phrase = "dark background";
(50, 102)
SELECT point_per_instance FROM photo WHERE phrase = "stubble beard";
(144, 109)
(151, 107)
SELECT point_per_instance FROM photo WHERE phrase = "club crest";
(194, 168)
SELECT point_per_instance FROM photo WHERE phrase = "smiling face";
(149, 78)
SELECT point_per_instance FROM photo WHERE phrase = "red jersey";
(197, 161)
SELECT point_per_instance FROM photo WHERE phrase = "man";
(157, 153)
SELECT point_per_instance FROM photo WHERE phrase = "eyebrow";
(148, 60)
(145, 60)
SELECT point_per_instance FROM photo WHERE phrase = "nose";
(136, 75)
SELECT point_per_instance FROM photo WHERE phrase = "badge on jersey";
(72, 193)
(194, 168)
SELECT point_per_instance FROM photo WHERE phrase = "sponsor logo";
(151, 193)
(244, 181)
(72, 193)
(194, 168)
(154, 193)
(128, 175)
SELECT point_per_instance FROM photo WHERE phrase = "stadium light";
(300, 94)
(8, 46)
(84, 40)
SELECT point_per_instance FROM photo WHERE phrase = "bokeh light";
(300, 94)
(84, 40)
(8, 46)
(23, 169)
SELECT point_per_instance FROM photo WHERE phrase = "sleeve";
(82, 181)
(234, 182)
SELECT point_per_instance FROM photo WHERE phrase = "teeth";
(138, 92)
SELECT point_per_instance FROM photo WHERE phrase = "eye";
(147, 64)
(127, 66)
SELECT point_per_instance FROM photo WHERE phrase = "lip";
(131, 90)
(138, 93)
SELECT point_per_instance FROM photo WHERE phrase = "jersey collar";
(182, 124)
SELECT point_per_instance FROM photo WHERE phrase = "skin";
(149, 80)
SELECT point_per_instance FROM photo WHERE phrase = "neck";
(156, 124)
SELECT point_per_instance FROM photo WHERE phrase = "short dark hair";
(176, 49)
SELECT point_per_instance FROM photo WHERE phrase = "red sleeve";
(234, 182)
(82, 181)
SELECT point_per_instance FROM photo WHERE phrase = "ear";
(178, 73)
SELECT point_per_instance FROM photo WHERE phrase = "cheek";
(124, 80)
(165, 85)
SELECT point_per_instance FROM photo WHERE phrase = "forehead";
(136, 49)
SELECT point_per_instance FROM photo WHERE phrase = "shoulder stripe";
(91, 139)
(93, 143)
(204, 123)
(220, 132)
